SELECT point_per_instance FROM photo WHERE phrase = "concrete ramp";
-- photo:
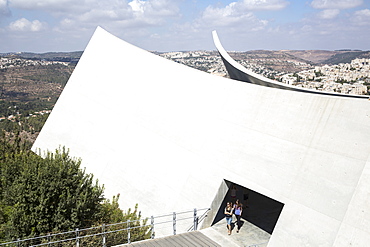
(249, 235)
(189, 239)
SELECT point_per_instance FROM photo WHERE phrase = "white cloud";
(4, 10)
(155, 7)
(51, 6)
(230, 16)
(48, 4)
(235, 19)
(363, 13)
(121, 9)
(249, 5)
(240, 13)
(307, 28)
(137, 5)
(335, 4)
(329, 13)
(362, 17)
(117, 16)
(223, 16)
(262, 4)
(24, 25)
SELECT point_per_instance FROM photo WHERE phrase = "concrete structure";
(238, 72)
(172, 138)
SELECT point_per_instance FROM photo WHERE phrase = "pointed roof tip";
(217, 43)
(100, 28)
(214, 34)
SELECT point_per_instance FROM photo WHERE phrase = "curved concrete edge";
(165, 136)
(238, 72)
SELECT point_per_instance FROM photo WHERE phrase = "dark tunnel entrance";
(258, 209)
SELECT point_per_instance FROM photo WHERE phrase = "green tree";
(112, 213)
(39, 195)
(53, 194)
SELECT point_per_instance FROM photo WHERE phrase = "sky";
(186, 25)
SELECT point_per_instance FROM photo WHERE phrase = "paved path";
(188, 239)
(248, 235)
(215, 236)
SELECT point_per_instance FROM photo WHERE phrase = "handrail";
(256, 245)
(104, 230)
(197, 220)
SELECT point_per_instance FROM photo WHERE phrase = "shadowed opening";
(258, 209)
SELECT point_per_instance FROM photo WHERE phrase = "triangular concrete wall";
(165, 136)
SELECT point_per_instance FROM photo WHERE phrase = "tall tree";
(39, 195)
(53, 194)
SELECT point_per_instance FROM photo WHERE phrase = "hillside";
(28, 92)
(279, 61)
(346, 57)
(70, 57)
(328, 57)
(32, 82)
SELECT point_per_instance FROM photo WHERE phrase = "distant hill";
(70, 57)
(307, 56)
(347, 57)
(34, 88)
(315, 56)
(329, 57)
(281, 61)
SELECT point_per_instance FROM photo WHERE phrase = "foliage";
(9, 126)
(8, 108)
(318, 74)
(341, 81)
(113, 214)
(120, 225)
(22, 117)
(299, 78)
(52, 74)
(52, 194)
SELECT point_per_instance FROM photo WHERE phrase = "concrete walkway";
(249, 235)
(188, 239)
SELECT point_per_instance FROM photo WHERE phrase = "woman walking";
(238, 209)
(228, 215)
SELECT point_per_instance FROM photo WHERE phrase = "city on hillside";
(30, 84)
(347, 78)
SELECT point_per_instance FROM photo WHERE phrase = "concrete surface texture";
(167, 137)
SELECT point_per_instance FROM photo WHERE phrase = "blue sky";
(180, 25)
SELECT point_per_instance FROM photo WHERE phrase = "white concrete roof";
(239, 72)
(165, 136)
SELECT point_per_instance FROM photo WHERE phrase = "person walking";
(238, 209)
(228, 215)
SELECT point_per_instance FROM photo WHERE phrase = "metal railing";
(123, 232)
(197, 220)
(258, 245)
